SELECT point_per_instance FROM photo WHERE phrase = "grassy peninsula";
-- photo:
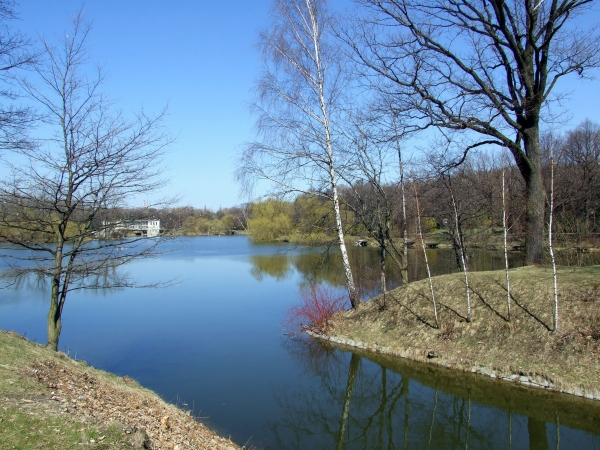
(50, 401)
(522, 349)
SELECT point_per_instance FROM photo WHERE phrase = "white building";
(149, 228)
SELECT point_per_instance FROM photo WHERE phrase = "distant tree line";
(476, 186)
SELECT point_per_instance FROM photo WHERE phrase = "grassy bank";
(521, 349)
(50, 401)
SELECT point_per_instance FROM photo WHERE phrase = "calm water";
(214, 343)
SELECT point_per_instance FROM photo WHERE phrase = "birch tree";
(300, 95)
(370, 194)
(460, 241)
(505, 241)
(420, 237)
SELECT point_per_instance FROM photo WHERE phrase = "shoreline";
(520, 350)
(515, 378)
(513, 398)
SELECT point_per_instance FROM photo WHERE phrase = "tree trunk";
(505, 230)
(54, 320)
(55, 311)
(319, 83)
(420, 236)
(463, 255)
(351, 287)
(382, 259)
(551, 247)
(404, 269)
(536, 198)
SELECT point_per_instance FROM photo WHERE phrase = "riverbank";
(48, 400)
(522, 349)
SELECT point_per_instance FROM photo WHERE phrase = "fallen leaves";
(146, 420)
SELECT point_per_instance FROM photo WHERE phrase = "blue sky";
(199, 58)
(196, 56)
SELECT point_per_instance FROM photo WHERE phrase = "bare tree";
(300, 93)
(460, 240)
(484, 69)
(370, 194)
(401, 164)
(16, 52)
(420, 236)
(57, 200)
(505, 236)
(577, 194)
(551, 245)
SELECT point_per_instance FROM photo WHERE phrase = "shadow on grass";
(524, 308)
(420, 318)
(452, 310)
(490, 307)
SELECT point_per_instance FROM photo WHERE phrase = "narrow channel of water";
(214, 343)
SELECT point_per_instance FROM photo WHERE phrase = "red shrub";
(317, 305)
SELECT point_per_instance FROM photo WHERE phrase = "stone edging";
(482, 370)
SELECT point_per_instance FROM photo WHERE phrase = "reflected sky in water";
(213, 342)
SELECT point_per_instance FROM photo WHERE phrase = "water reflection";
(357, 401)
(276, 266)
(102, 282)
(322, 266)
(319, 265)
(214, 341)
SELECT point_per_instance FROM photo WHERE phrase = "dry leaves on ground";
(146, 420)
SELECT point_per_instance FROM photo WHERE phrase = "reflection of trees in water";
(352, 403)
(106, 280)
(100, 281)
(32, 281)
(307, 420)
(326, 266)
(276, 266)
(323, 266)
(316, 358)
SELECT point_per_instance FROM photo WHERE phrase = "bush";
(317, 305)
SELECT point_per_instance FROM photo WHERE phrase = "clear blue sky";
(197, 56)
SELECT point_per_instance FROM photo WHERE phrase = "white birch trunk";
(404, 226)
(420, 233)
(332, 174)
(551, 248)
(505, 229)
(462, 256)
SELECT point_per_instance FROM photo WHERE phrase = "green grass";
(28, 419)
(20, 429)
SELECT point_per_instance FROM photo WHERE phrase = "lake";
(213, 342)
